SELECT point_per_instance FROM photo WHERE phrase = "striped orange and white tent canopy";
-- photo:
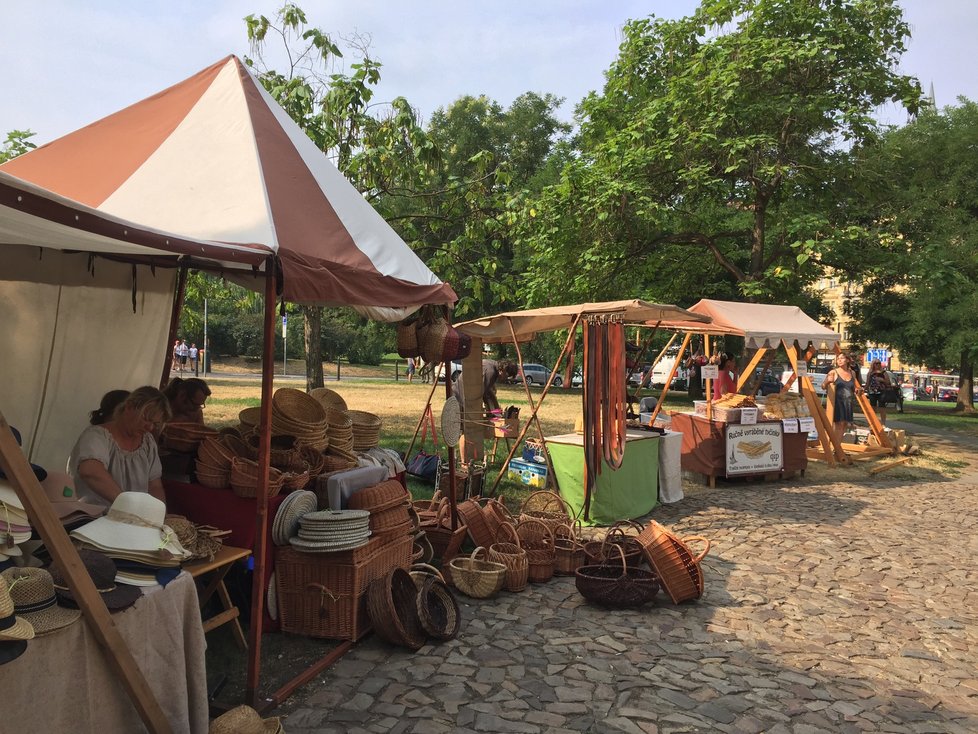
(215, 162)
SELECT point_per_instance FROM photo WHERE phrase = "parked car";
(947, 394)
(537, 374)
(769, 384)
(456, 371)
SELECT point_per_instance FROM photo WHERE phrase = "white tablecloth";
(670, 469)
(62, 683)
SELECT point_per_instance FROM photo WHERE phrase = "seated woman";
(120, 455)
(187, 398)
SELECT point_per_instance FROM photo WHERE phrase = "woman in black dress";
(846, 381)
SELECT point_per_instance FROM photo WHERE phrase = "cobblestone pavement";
(834, 608)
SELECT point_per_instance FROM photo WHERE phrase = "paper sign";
(807, 425)
(801, 369)
(711, 371)
(753, 449)
(790, 425)
(748, 416)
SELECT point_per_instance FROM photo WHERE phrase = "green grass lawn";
(937, 415)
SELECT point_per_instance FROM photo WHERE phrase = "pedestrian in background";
(192, 353)
(877, 385)
(411, 366)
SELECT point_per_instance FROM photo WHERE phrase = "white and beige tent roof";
(216, 162)
(526, 324)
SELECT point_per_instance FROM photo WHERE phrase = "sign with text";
(748, 416)
(710, 372)
(806, 425)
(883, 355)
(801, 369)
(754, 449)
(790, 425)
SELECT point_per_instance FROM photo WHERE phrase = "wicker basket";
(407, 338)
(431, 339)
(548, 507)
(185, 437)
(513, 557)
(366, 430)
(674, 562)
(568, 551)
(381, 496)
(538, 541)
(210, 477)
(445, 541)
(478, 528)
(292, 481)
(390, 518)
(392, 603)
(421, 571)
(328, 398)
(438, 609)
(478, 578)
(244, 478)
(237, 446)
(250, 418)
(290, 405)
(619, 587)
(214, 451)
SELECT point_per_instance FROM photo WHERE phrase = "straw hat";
(103, 571)
(134, 522)
(11, 650)
(244, 720)
(11, 626)
(32, 590)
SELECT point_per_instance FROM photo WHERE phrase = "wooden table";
(218, 569)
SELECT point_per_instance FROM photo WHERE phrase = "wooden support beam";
(174, 325)
(886, 467)
(14, 463)
(672, 373)
(748, 373)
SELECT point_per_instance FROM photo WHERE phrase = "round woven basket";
(619, 587)
(674, 562)
(548, 507)
(328, 398)
(538, 542)
(210, 477)
(568, 551)
(392, 603)
(478, 578)
(214, 452)
(244, 478)
(250, 417)
(513, 557)
(438, 609)
(237, 446)
(294, 406)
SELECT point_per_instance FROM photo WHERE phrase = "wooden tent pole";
(831, 451)
(42, 517)
(568, 347)
(672, 373)
(261, 501)
(174, 325)
(748, 373)
(452, 496)
(426, 413)
(709, 382)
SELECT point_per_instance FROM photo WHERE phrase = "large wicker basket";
(445, 541)
(392, 605)
(547, 507)
(513, 557)
(538, 541)
(673, 561)
(619, 587)
(328, 398)
(438, 609)
(478, 578)
(244, 478)
(568, 551)
(474, 517)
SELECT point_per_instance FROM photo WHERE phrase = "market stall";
(99, 230)
(741, 437)
(581, 475)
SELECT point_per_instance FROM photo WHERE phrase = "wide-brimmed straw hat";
(102, 570)
(12, 627)
(244, 720)
(134, 522)
(32, 590)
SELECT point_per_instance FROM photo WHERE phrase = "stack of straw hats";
(102, 570)
(15, 631)
(34, 598)
(366, 430)
(134, 534)
(294, 413)
(15, 528)
(328, 531)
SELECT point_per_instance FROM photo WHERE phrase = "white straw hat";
(11, 626)
(134, 522)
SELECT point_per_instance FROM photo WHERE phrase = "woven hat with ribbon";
(12, 627)
(32, 591)
(102, 571)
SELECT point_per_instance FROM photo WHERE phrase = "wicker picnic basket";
(538, 541)
(474, 517)
(476, 577)
(547, 507)
(673, 561)
(568, 551)
(617, 586)
(438, 609)
(513, 557)
(392, 603)
(244, 478)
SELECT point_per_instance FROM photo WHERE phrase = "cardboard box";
(529, 472)
(503, 428)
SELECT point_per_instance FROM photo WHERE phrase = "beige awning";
(529, 323)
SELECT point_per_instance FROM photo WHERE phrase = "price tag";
(790, 425)
(807, 425)
(711, 371)
(801, 369)
(748, 416)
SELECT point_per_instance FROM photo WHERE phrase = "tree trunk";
(966, 382)
(312, 330)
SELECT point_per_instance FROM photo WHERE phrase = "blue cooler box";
(529, 472)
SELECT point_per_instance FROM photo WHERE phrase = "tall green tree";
(921, 292)
(708, 162)
(17, 143)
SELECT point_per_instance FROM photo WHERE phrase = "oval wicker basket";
(244, 478)
(548, 507)
(478, 578)
(438, 609)
(619, 587)
(209, 477)
(674, 562)
(538, 541)
(392, 603)
(568, 551)
(379, 497)
(328, 398)
(513, 557)
(474, 518)
(407, 338)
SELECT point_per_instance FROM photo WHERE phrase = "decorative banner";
(806, 425)
(748, 416)
(754, 449)
(710, 372)
(790, 425)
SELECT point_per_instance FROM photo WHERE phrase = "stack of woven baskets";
(185, 437)
(388, 504)
(340, 454)
(366, 430)
(214, 456)
(295, 413)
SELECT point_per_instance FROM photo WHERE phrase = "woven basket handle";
(569, 535)
(323, 593)
(530, 521)
(427, 569)
(551, 497)
(624, 563)
(476, 552)
(511, 529)
(706, 550)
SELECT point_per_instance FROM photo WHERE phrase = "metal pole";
(206, 348)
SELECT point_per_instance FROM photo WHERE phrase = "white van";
(660, 373)
(818, 382)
